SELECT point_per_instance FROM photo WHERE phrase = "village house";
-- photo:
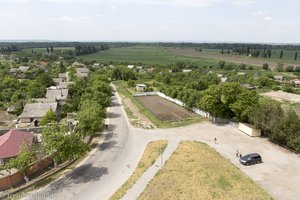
(13, 70)
(278, 78)
(141, 87)
(295, 82)
(34, 112)
(23, 69)
(130, 66)
(11, 142)
(60, 95)
(82, 72)
(63, 76)
(58, 80)
(64, 85)
(241, 73)
(186, 70)
(98, 65)
(78, 64)
(223, 78)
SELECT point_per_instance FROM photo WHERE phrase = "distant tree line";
(87, 49)
(9, 48)
(238, 47)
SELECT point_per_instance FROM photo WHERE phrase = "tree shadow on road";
(107, 145)
(113, 115)
(111, 127)
(114, 104)
(86, 173)
(82, 174)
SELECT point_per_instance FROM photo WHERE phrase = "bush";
(297, 69)
(279, 67)
(242, 66)
(221, 64)
(288, 89)
(265, 66)
(289, 69)
(250, 68)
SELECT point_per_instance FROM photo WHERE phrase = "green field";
(144, 54)
(288, 55)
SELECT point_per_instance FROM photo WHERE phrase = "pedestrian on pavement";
(106, 126)
(241, 155)
(237, 153)
(215, 140)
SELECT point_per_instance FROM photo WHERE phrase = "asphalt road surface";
(114, 160)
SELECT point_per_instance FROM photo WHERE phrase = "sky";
(254, 21)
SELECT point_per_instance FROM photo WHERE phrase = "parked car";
(249, 159)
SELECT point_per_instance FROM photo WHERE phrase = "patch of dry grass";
(151, 153)
(196, 171)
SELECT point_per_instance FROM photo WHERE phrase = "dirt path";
(136, 119)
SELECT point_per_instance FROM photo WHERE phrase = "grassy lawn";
(196, 171)
(144, 54)
(122, 89)
(151, 153)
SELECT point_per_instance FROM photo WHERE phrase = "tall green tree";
(61, 145)
(90, 117)
(287, 131)
(50, 117)
(281, 54)
(26, 156)
(266, 115)
(245, 103)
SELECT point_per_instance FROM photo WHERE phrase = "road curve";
(106, 168)
(112, 163)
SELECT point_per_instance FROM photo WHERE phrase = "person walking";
(237, 153)
(215, 140)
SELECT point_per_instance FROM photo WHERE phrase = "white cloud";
(268, 18)
(178, 3)
(242, 2)
(98, 15)
(84, 18)
(50, 19)
(259, 13)
(66, 18)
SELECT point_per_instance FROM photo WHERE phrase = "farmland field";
(196, 171)
(215, 55)
(165, 110)
(144, 54)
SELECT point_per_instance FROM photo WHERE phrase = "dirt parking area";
(165, 110)
(283, 96)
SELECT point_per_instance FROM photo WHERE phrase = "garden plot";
(165, 110)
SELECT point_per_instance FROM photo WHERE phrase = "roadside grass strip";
(151, 154)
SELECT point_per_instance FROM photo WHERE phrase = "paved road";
(114, 161)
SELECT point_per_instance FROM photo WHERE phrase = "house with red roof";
(11, 142)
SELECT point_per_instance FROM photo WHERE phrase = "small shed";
(250, 130)
(141, 87)
(278, 78)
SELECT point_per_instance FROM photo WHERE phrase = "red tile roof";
(11, 142)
